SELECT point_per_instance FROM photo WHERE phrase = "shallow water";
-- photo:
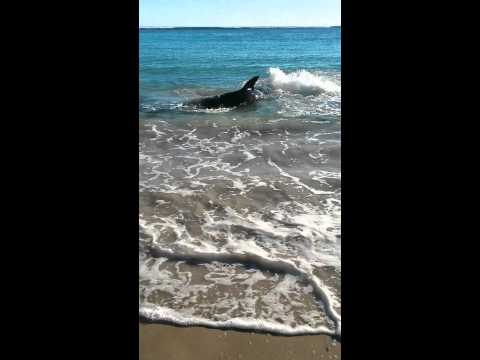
(239, 221)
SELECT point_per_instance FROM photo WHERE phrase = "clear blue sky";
(239, 12)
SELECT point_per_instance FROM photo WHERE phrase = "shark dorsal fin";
(250, 83)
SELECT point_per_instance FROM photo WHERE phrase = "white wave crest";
(302, 81)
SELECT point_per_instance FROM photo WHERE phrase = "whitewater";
(240, 208)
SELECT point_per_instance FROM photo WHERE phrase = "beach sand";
(166, 342)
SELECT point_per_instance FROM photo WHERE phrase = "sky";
(165, 13)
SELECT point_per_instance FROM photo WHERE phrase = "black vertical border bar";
(74, 187)
(378, 158)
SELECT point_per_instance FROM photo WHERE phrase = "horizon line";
(235, 27)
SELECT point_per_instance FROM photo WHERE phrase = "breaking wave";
(302, 82)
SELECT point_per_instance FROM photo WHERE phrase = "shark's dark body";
(243, 96)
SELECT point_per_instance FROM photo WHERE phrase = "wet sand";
(166, 342)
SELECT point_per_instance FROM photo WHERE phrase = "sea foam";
(302, 82)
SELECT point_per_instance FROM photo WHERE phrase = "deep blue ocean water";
(240, 208)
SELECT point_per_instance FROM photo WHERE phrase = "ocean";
(240, 208)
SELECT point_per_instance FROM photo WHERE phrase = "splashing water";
(239, 223)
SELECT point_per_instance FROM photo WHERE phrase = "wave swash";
(239, 222)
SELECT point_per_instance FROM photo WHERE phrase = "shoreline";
(173, 342)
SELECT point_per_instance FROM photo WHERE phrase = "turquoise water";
(222, 59)
(240, 207)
